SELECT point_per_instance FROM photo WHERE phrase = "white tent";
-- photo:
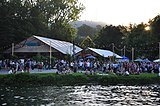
(37, 44)
(138, 60)
(146, 60)
(123, 59)
(157, 60)
(62, 46)
(105, 53)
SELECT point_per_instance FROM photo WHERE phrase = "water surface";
(87, 95)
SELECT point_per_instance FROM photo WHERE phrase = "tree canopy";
(87, 42)
(144, 42)
(108, 35)
(23, 18)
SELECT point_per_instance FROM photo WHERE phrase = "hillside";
(89, 23)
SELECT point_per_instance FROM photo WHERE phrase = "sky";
(120, 12)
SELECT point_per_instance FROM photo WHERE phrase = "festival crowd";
(119, 68)
(85, 66)
(23, 65)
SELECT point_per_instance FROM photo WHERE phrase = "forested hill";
(89, 23)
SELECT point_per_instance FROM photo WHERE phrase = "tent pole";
(12, 49)
(50, 51)
(113, 50)
(124, 50)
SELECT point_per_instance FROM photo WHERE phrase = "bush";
(77, 79)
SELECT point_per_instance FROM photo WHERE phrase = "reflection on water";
(88, 95)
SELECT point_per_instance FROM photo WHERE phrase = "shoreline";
(77, 79)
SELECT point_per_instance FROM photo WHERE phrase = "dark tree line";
(143, 37)
(20, 19)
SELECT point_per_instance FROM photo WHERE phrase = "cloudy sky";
(120, 12)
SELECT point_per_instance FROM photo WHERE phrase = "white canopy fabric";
(123, 59)
(146, 60)
(138, 60)
(61, 46)
(158, 60)
(105, 53)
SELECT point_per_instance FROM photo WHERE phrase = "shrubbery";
(77, 79)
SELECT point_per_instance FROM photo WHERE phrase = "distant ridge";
(89, 23)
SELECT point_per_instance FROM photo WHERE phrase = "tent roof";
(157, 60)
(62, 46)
(104, 53)
(146, 60)
(124, 57)
(90, 57)
(138, 60)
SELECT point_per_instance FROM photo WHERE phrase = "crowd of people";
(119, 68)
(86, 66)
(23, 65)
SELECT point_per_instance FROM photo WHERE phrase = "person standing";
(27, 66)
(95, 67)
(75, 67)
(17, 66)
(104, 67)
(40, 66)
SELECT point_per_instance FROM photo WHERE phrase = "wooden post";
(12, 49)
(132, 54)
(113, 50)
(50, 51)
(124, 50)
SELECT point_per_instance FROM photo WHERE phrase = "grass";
(77, 79)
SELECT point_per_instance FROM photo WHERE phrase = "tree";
(20, 19)
(108, 35)
(98, 28)
(141, 40)
(86, 30)
(13, 22)
(59, 14)
(87, 42)
(155, 26)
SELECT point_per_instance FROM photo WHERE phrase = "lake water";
(87, 95)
